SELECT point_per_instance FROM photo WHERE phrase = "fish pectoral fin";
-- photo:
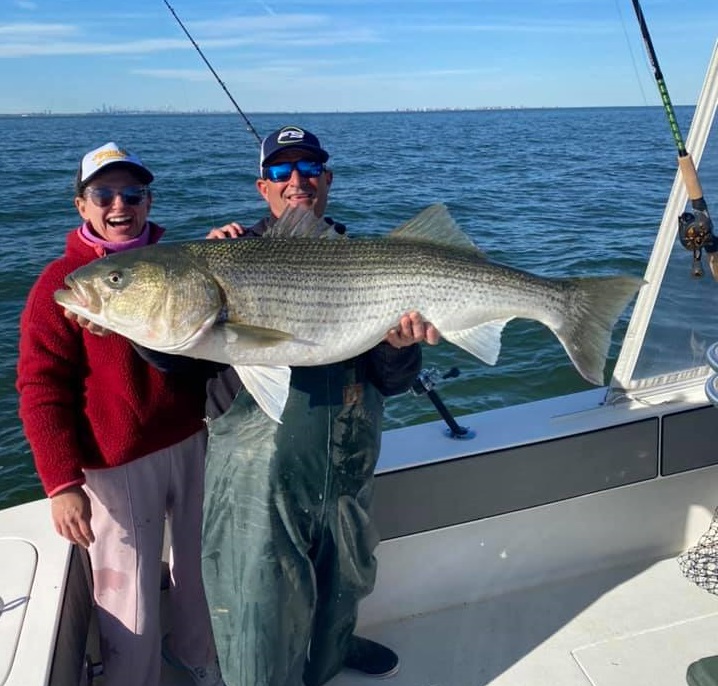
(254, 336)
(482, 341)
(269, 386)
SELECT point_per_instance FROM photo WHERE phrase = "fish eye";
(115, 278)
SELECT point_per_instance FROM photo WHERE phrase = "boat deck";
(629, 626)
(581, 592)
(626, 624)
(635, 625)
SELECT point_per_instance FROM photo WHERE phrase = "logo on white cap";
(103, 156)
(110, 153)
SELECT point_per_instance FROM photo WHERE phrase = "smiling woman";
(119, 446)
(112, 195)
(116, 212)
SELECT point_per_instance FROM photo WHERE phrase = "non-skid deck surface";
(634, 626)
(640, 625)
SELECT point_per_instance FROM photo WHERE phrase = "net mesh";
(699, 564)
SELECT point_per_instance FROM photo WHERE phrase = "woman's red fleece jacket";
(92, 401)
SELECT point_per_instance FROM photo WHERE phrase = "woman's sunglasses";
(309, 169)
(104, 197)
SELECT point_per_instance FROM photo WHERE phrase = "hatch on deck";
(15, 585)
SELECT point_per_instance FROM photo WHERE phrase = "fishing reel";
(424, 384)
(695, 231)
(428, 378)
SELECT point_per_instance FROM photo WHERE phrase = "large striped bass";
(296, 298)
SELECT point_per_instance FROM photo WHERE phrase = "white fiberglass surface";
(673, 321)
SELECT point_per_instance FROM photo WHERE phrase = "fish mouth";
(76, 295)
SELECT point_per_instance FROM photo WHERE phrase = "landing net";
(699, 564)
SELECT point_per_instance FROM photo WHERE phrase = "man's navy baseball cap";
(290, 138)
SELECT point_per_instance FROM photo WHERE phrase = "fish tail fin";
(594, 306)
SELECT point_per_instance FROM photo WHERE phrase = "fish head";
(160, 299)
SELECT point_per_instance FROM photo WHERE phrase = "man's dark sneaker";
(371, 658)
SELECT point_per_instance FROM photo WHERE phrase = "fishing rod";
(214, 73)
(695, 229)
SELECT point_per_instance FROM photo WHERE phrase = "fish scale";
(365, 279)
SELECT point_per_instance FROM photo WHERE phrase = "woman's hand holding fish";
(87, 324)
(412, 329)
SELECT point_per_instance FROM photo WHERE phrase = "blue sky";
(348, 55)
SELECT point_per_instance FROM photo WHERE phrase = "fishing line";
(694, 228)
(634, 62)
(250, 128)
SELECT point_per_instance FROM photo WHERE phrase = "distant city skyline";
(349, 55)
(111, 111)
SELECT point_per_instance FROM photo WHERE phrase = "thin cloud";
(62, 48)
(304, 73)
(190, 75)
(266, 7)
(289, 29)
(406, 77)
(339, 37)
(25, 30)
(57, 49)
(273, 23)
(537, 27)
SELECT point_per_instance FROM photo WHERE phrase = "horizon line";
(404, 110)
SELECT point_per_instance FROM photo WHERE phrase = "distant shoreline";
(426, 110)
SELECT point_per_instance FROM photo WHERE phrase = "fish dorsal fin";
(435, 225)
(300, 222)
(269, 386)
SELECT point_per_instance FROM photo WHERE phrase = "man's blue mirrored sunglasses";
(282, 171)
(103, 196)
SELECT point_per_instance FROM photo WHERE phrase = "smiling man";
(287, 540)
(292, 173)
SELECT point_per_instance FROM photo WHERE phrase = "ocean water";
(553, 191)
